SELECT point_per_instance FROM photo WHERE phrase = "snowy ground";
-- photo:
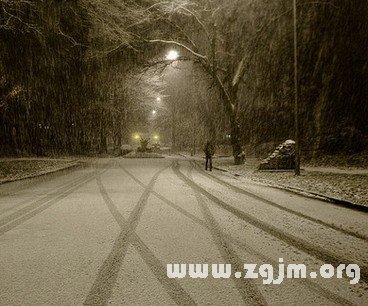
(18, 168)
(342, 183)
(103, 235)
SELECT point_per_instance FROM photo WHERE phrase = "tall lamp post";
(172, 56)
(296, 92)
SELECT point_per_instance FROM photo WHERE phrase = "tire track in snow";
(291, 240)
(104, 283)
(24, 214)
(172, 287)
(247, 288)
(49, 196)
(315, 287)
(274, 204)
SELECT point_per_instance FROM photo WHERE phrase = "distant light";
(154, 112)
(158, 99)
(136, 136)
(172, 55)
(156, 137)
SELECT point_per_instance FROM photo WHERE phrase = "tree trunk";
(173, 130)
(232, 108)
(119, 134)
(103, 138)
(239, 157)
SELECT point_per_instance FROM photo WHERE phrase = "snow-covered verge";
(345, 185)
(16, 169)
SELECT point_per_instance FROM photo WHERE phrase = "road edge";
(306, 193)
(74, 164)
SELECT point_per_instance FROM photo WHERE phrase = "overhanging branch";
(173, 42)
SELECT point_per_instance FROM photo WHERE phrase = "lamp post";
(173, 55)
(296, 92)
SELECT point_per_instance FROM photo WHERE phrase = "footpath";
(342, 186)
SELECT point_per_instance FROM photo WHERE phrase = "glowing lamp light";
(136, 136)
(156, 137)
(172, 55)
(154, 112)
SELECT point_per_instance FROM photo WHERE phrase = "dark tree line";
(67, 68)
(247, 47)
(61, 89)
(333, 79)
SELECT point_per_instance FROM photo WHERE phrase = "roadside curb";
(306, 193)
(43, 173)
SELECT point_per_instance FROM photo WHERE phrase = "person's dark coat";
(209, 149)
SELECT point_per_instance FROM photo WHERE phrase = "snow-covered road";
(105, 233)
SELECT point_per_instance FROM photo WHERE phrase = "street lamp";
(172, 55)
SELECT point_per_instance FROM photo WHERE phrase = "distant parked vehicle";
(126, 149)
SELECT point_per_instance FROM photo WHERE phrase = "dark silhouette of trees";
(69, 72)
(60, 86)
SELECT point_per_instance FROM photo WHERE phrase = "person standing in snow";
(209, 150)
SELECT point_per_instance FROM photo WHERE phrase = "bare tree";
(198, 36)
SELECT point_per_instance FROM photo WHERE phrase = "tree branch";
(172, 42)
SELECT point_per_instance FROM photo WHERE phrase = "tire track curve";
(247, 288)
(226, 237)
(291, 240)
(43, 199)
(49, 194)
(315, 287)
(172, 287)
(30, 211)
(107, 274)
(274, 204)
